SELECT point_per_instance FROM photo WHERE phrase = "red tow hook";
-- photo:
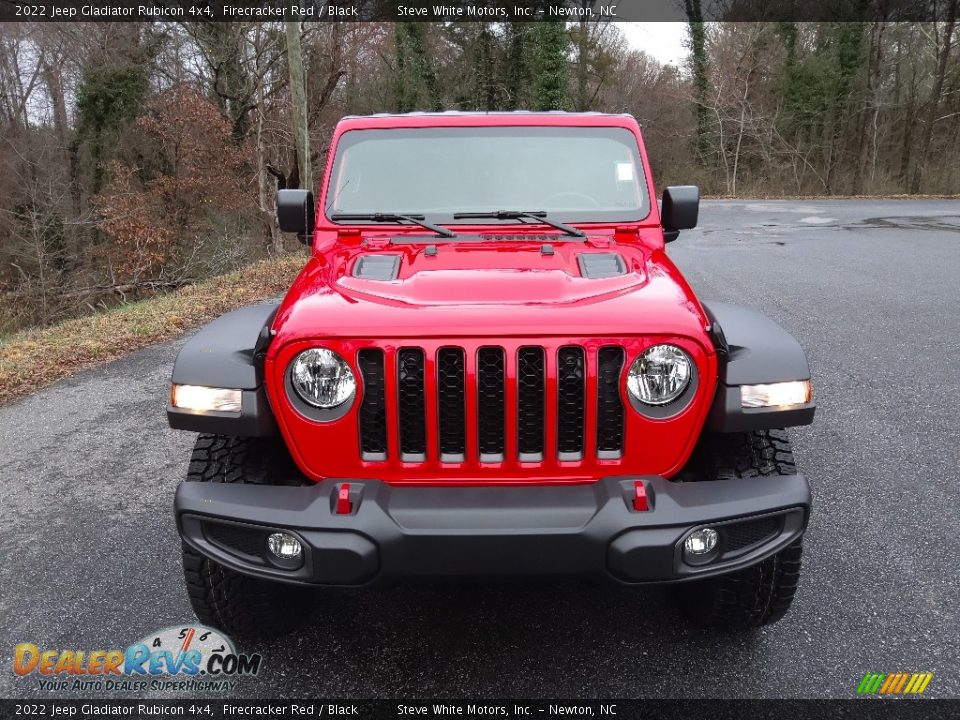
(344, 506)
(640, 497)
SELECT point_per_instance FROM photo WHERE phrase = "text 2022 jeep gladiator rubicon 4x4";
(490, 367)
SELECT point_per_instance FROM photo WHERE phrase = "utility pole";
(298, 101)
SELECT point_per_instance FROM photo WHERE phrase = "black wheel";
(761, 594)
(242, 606)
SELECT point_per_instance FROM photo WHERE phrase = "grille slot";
(373, 409)
(490, 404)
(743, 534)
(412, 410)
(570, 401)
(236, 538)
(450, 404)
(531, 394)
(609, 403)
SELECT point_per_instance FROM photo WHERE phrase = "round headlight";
(659, 375)
(322, 378)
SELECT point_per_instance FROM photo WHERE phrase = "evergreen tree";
(416, 86)
(698, 60)
(550, 74)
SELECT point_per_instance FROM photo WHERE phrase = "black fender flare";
(228, 353)
(753, 350)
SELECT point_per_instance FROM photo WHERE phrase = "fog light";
(700, 542)
(284, 546)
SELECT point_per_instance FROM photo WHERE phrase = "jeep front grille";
(373, 409)
(451, 408)
(530, 403)
(410, 396)
(491, 433)
(570, 396)
(491, 404)
(609, 405)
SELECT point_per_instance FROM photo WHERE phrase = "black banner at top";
(470, 10)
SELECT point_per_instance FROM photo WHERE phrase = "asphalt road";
(91, 556)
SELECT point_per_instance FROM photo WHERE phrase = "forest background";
(137, 158)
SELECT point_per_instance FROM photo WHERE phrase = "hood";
(491, 285)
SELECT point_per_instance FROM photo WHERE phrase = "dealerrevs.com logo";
(185, 658)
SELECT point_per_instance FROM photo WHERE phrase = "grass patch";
(32, 359)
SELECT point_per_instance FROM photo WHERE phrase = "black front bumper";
(394, 532)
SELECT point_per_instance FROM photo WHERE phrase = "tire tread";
(222, 598)
(763, 593)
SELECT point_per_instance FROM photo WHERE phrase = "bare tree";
(933, 104)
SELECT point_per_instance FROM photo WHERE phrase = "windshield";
(576, 174)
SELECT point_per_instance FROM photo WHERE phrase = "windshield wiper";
(396, 218)
(537, 215)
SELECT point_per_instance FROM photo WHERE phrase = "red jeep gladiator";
(490, 367)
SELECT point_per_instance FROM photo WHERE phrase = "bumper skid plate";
(393, 532)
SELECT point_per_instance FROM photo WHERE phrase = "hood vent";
(526, 237)
(377, 267)
(601, 265)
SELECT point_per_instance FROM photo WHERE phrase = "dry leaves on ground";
(33, 359)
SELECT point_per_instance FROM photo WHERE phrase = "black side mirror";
(295, 213)
(679, 210)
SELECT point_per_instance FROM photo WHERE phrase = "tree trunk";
(906, 145)
(869, 117)
(517, 67)
(264, 187)
(401, 84)
(485, 69)
(583, 67)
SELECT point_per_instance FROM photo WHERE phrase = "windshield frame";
(631, 139)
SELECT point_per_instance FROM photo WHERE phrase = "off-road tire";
(242, 606)
(761, 594)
